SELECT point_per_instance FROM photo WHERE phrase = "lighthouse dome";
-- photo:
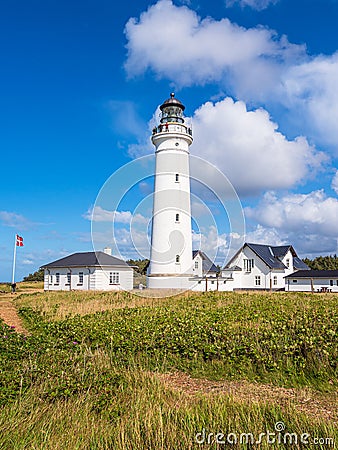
(172, 110)
(172, 101)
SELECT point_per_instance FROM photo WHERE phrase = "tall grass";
(90, 374)
(139, 412)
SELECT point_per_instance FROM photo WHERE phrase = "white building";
(97, 271)
(257, 266)
(205, 273)
(312, 281)
(171, 239)
(202, 265)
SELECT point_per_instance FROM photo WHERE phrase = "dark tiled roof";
(314, 274)
(272, 255)
(298, 264)
(279, 251)
(89, 259)
(207, 264)
(233, 268)
(269, 254)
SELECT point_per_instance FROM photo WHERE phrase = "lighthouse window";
(177, 258)
(177, 217)
(177, 178)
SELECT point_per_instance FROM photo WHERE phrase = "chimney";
(107, 251)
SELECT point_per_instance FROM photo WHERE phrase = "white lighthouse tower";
(171, 239)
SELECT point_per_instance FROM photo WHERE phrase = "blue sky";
(81, 82)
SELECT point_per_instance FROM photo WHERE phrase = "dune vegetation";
(116, 371)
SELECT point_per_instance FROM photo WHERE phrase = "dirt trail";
(321, 406)
(9, 314)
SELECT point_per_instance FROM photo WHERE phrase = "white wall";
(93, 279)
(304, 284)
(170, 282)
(199, 270)
(288, 261)
(102, 281)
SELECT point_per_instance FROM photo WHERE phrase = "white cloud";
(304, 214)
(11, 219)
(99, 214)
(208, 49)
(262, 235)
(213, 243)
(305, 244)
(334, 183)
(27, 262)
(253, 64)
(248, 148)
(259, 5)
(134, 244)
(310, 90)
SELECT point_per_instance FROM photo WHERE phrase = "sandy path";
(9, 314)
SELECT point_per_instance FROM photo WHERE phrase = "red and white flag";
(19, 241)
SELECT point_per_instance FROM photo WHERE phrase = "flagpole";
(14, 260)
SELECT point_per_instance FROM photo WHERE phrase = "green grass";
(89, 381)
(5, 287)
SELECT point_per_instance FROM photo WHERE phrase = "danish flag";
(19, 241)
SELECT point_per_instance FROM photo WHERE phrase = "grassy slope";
(86, 377)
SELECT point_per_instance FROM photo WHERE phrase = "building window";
(177, 259)
(114, 278)
(80, 277)
(177, 217)
(57, 278)
(248, 264)
(337, 282)
(331, 282)
(68, 277)
(275, 280)
(212, 282)
(294, 281)
(51, 279)
(257, 280)
(287, 262)
(196, 265)
(177, 178)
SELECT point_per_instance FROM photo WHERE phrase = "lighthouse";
(171, 238)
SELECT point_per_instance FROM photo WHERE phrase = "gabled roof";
(233, 269)
(298, 264)
(207, 265)
(272, 255)
(280, 251)
(314, 274)
(269, 254)
(87, 259)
